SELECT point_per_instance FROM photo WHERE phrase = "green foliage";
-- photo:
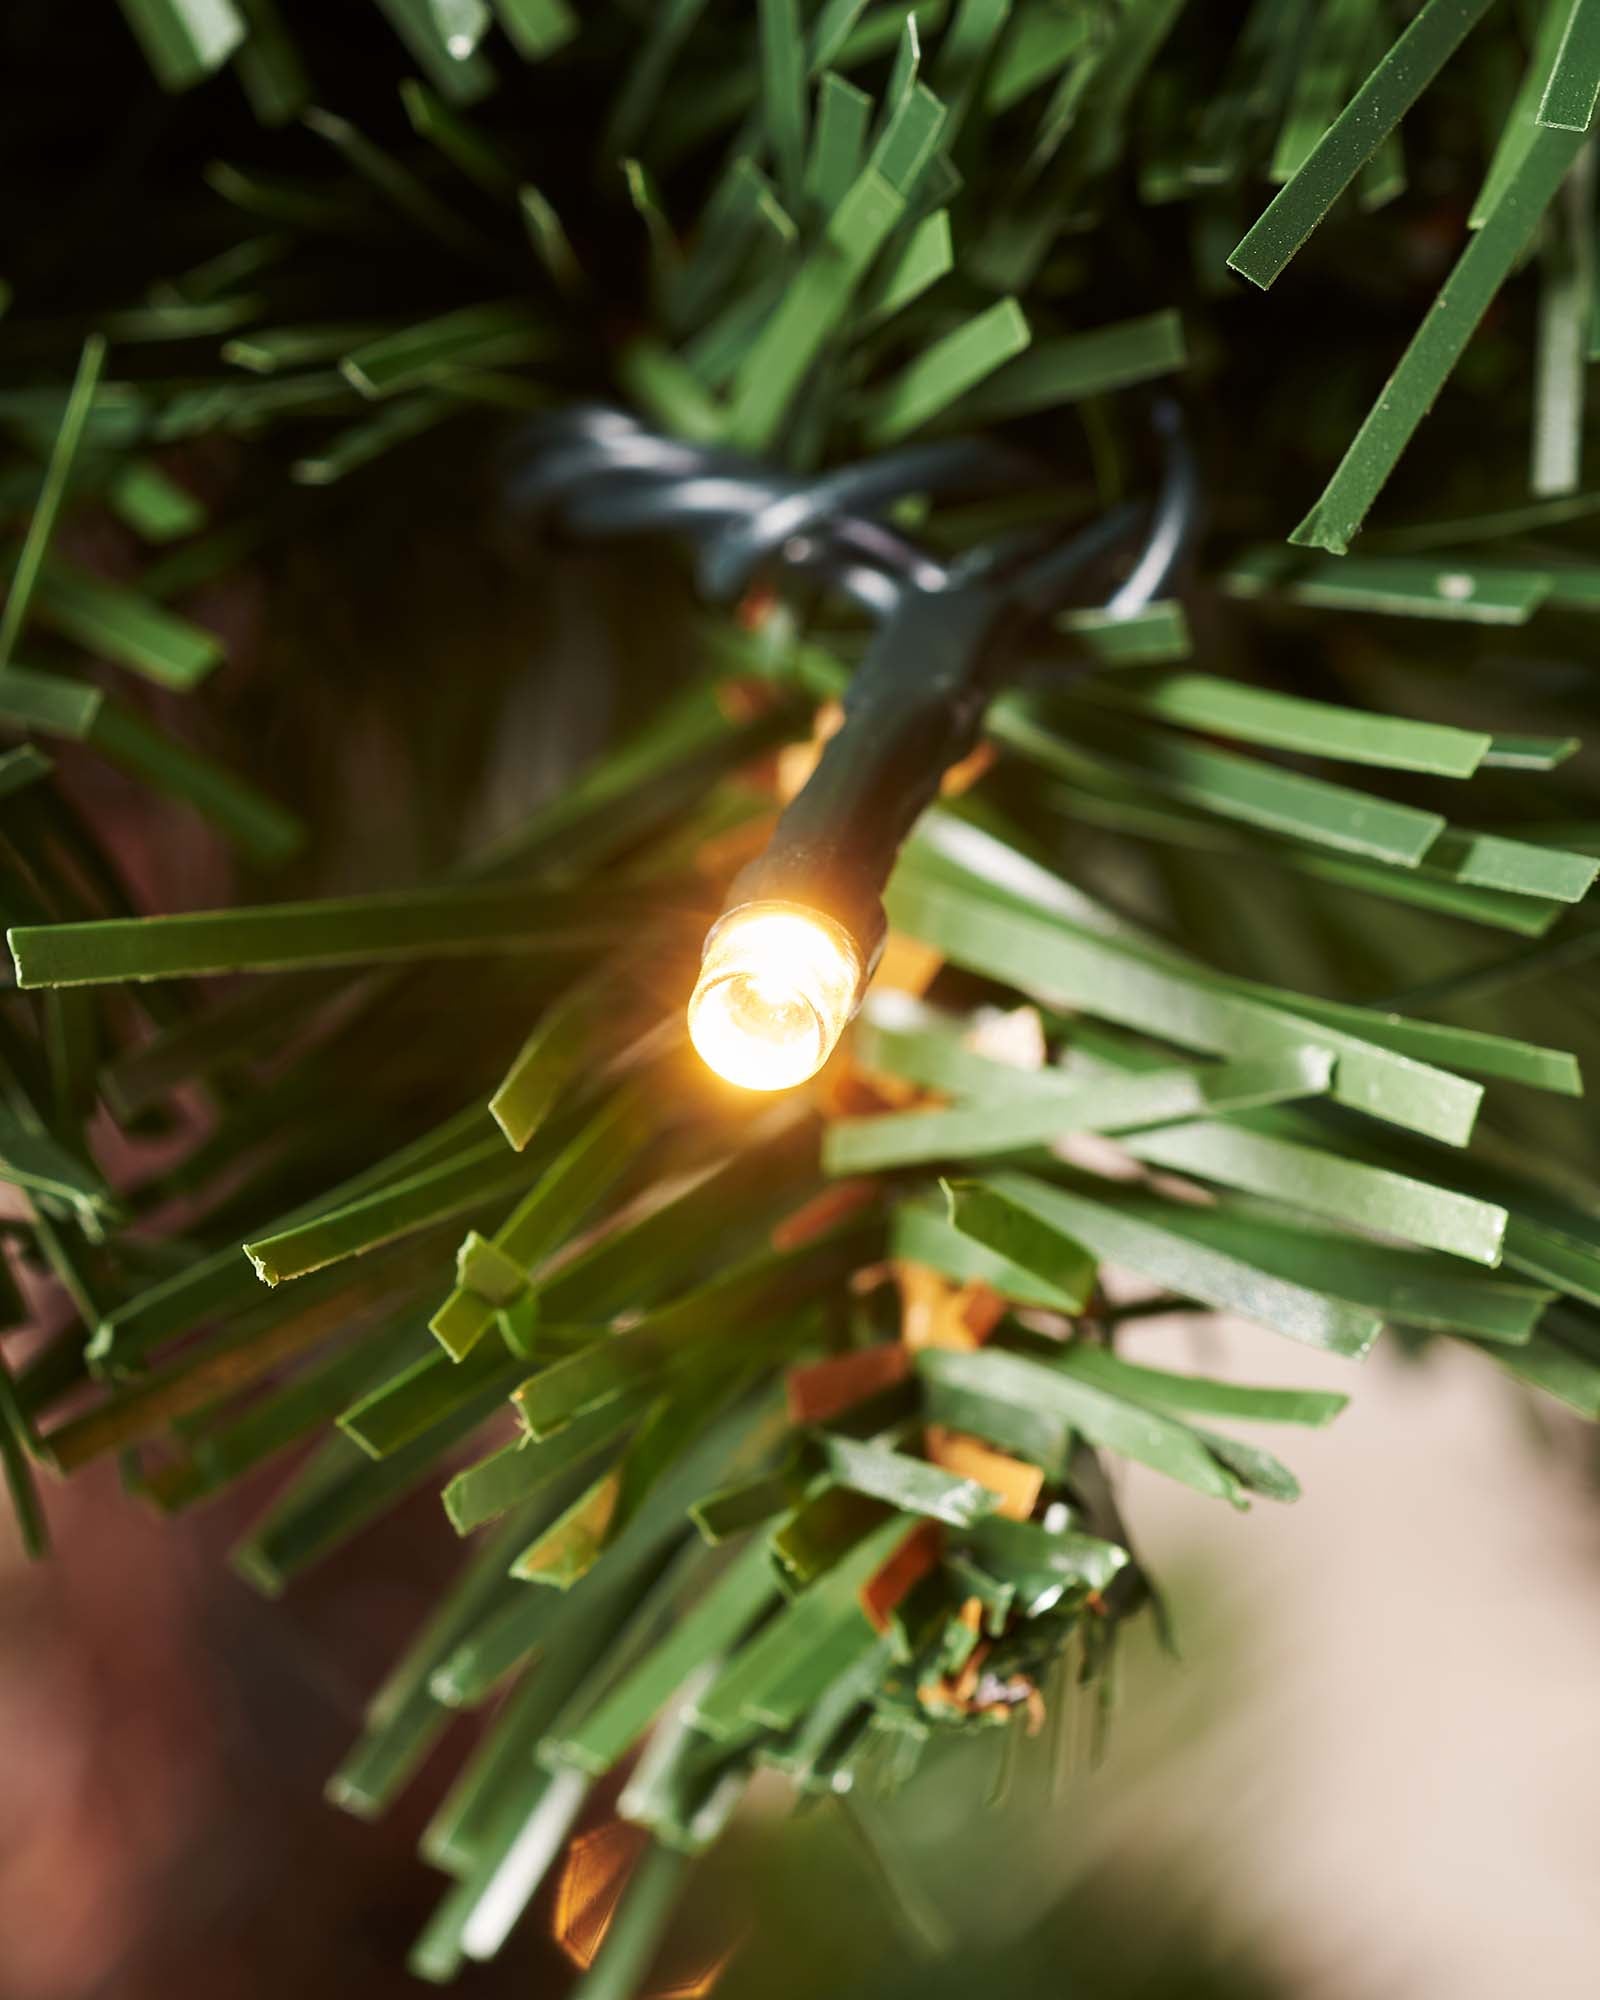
(1250, 871)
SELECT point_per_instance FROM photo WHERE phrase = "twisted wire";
(601, 472)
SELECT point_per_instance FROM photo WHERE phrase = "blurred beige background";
(1402, 1790)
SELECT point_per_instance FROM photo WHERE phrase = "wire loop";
(601, 471)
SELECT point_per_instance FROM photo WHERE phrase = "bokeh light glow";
(777, 984)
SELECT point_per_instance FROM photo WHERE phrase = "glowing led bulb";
(777, 984)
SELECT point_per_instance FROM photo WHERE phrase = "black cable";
(946, 632)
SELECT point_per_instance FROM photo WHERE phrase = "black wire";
(915, 704)
(602, 472)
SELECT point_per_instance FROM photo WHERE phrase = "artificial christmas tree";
(1234, 947)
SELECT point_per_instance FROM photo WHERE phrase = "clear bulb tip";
(777, 984)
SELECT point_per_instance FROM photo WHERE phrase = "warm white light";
(777, 984)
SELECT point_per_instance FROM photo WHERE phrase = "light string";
(786, 963)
